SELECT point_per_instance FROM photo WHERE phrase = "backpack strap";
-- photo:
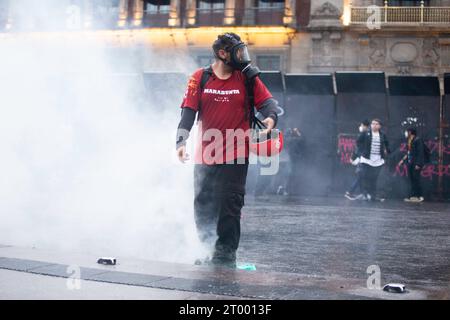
(251, 73)
(249, 94)
(250, 112)
(426, 153)
(207, 73)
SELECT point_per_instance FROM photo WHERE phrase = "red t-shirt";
(223, 113)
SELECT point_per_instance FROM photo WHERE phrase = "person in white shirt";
(374, 150)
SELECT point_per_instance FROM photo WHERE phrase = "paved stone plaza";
(302, 248)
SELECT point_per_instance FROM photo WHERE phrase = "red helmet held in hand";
(267, 145)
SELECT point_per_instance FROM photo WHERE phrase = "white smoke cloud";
(86, 159)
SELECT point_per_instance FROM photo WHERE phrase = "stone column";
(138, 12)
(229, 18)
(123, 13)
(249, 13)
(87, 13)
(191, 12)
(289, 12)
(174, 14)
(10, 16)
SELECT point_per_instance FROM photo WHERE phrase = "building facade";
(294, 36)
(312, 42)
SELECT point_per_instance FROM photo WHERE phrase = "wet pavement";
(334, 237)
(317, 248)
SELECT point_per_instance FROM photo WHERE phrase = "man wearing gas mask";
(223, 96)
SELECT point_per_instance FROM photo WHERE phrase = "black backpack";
(249, 94)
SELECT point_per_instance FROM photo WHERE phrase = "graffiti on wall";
(428, 172)
(347, 145)
(433, 145)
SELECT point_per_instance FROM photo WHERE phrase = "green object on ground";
(247, 266)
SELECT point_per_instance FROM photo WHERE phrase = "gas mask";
(239, 58)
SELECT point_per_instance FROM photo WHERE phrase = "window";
(407, 3)
(105, 8)
(157, 6)
(270, 4)
(211, 5)
(205, 60)
(269, 62)
(3, 14)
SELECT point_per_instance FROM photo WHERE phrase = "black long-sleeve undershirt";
(268, 109)
(185, 125)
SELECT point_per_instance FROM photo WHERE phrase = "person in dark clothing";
(220, 175)
(374, 149)
(294, 144)
(219, 197)
(356, 161)
(415, 160)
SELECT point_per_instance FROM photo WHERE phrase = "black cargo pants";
(219, 197)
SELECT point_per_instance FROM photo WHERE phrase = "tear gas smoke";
(86, 156)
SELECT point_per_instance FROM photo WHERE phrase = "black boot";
(225, 257)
